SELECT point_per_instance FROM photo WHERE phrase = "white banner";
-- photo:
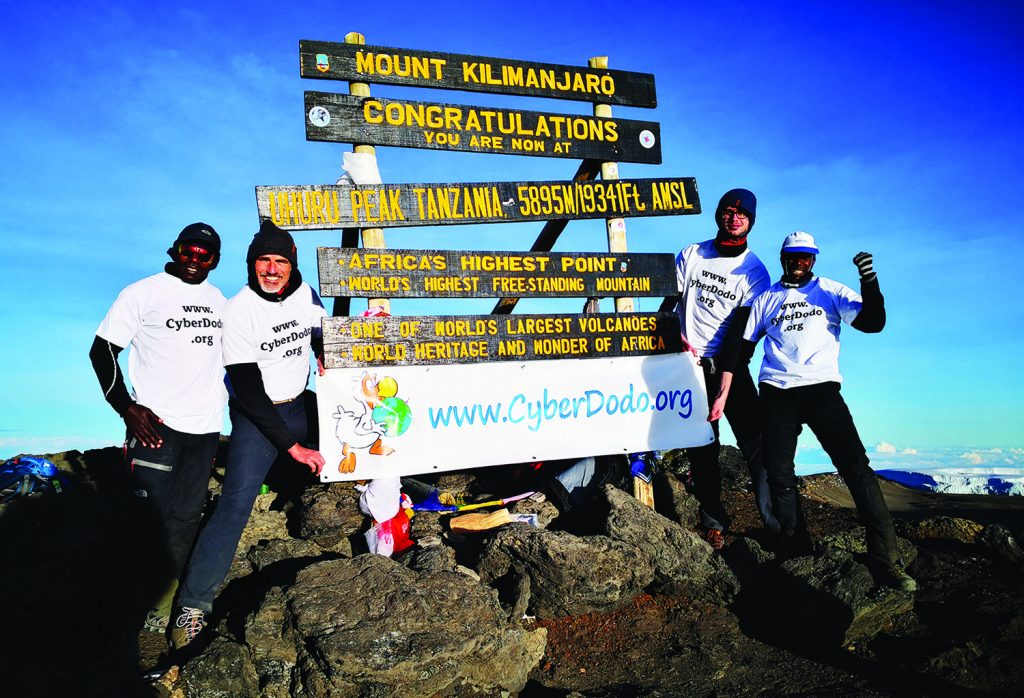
(404, 420)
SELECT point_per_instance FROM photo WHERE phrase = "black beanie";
(201, 233)
(270, 239)
(743, 199)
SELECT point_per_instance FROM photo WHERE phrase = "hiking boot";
(188, 623)
(897, 579)
(156, 621)
(715, 539)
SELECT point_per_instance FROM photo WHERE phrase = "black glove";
(864, 262)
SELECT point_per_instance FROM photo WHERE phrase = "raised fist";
(864, 262)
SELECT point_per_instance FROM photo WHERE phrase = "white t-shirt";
(274, 335)
(711, 287)
(174, 330)
(801, 331)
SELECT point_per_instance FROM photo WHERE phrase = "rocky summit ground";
(612, 601)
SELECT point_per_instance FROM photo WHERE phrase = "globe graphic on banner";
(394, 414)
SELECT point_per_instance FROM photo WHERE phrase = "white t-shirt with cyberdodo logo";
(275, 336)
(801, 331)
(174, 365)
(711, 287)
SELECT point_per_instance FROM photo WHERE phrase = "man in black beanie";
(718, 280)
(270, 327)
(172, 320)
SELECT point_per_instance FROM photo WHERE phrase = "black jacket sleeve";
(871, 317)
(250, 396)
(103, 356)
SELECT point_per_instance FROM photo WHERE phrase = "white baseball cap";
(799, 242)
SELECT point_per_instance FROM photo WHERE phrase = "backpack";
(24, 475)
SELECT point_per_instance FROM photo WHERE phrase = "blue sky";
(892, 127)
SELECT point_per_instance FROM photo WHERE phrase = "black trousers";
(174, 479)
(823, 409)
(741, 409)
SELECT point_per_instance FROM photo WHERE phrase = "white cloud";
(884, 447)
(908, 452)
(972, 458)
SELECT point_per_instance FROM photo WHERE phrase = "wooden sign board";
(403, 420)
(373, 273)
(448, 71)
(459, 339)
(331, 206)
(407, 124)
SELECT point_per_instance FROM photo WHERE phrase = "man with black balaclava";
(172, 320)
(270, 327)
(718, 280)
(800, 318)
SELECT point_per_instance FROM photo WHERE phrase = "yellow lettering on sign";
(367, 330)
(449, 118)
(451, 284)
(465, 328)
(554, 284)
(624, 284)
(294, 207)
(545, 346)
(537, 325)
(419, 67)
(393, 261)
(642, 343)
(378, 353)
(589, 264)
(616, 323)
(434, 351)
(511, 347)
(389, 284)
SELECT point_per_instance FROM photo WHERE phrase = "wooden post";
(372, 237)
(616, 229)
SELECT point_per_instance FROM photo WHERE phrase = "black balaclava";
(270, 239)
(744, 200)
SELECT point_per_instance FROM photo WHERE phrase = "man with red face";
(172, 321)
(800, 318)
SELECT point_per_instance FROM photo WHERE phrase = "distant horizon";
(810, 460)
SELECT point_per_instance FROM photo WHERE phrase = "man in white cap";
(800, 318)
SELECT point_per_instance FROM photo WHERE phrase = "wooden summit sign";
(397, 66)
(407, 124)
(371, 273)
(328, 206)
(351, 342)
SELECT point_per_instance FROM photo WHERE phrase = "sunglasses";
(197, 252)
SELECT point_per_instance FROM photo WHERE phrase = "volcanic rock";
(568, 574)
